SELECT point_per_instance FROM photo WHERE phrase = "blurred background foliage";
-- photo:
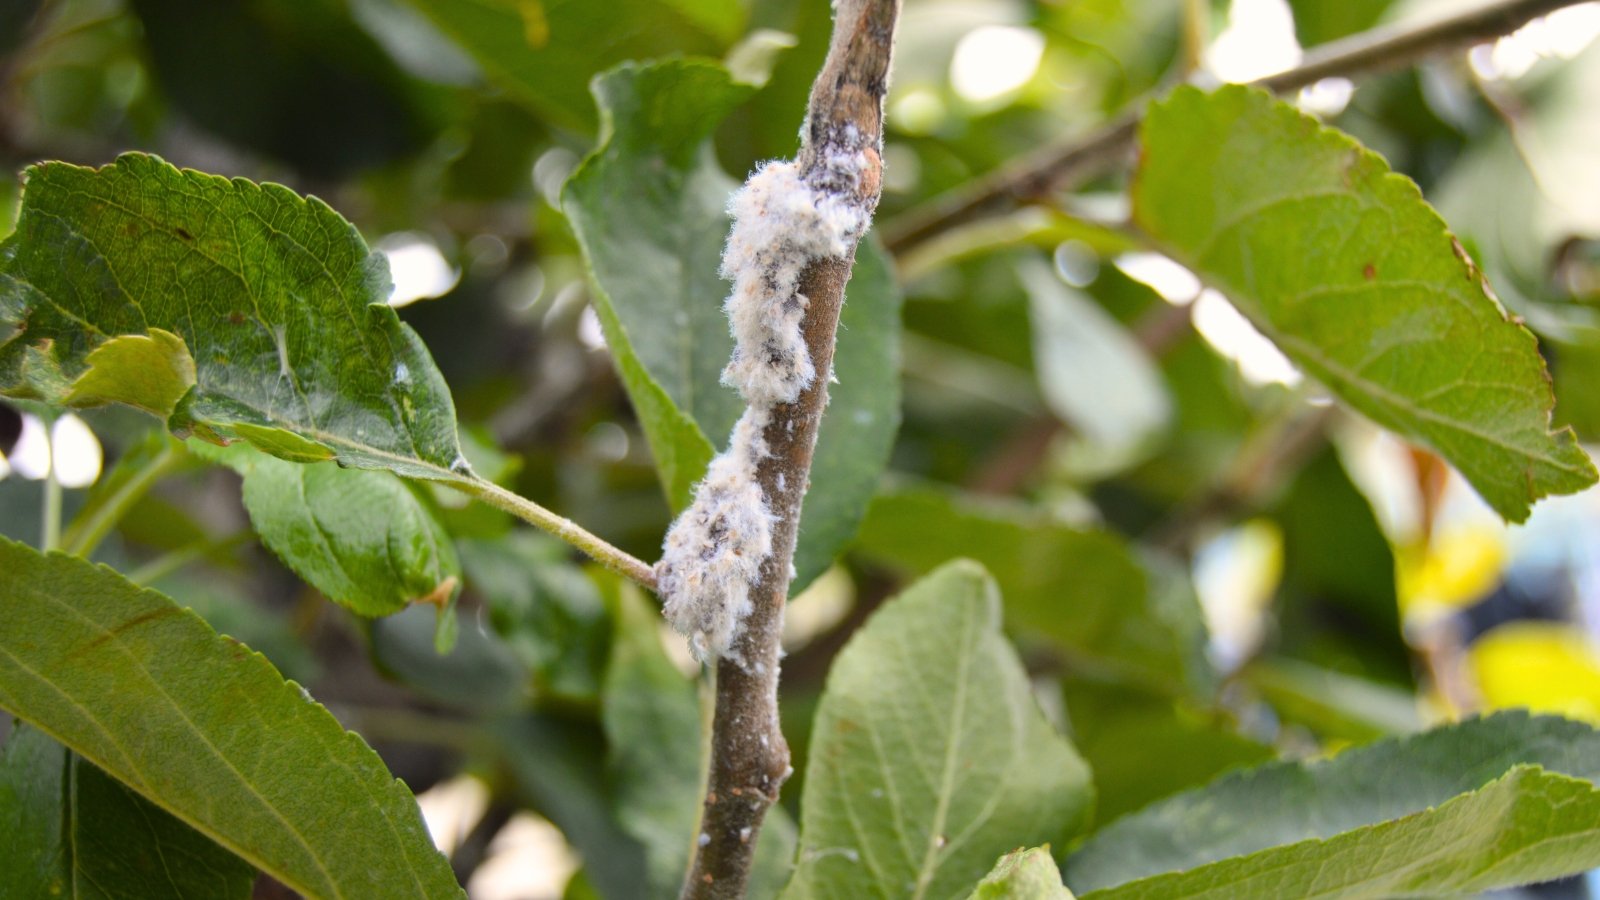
(1196, 549)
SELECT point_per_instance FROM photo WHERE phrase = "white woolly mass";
(713, 553)
(780, 225)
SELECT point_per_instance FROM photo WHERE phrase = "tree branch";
(1033, 178)
(749, 757)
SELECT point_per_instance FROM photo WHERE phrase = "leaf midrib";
(930, 860)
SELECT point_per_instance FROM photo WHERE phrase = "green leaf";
(929, 756)
(224, 601)
(206, 729)
(648, 208)
(1341, 263)
(71, 831)
(1023, 875)
(1082, 589)
(276, 299)
(544, 52)
(651, 714)
(1487, 803)
(367, 540)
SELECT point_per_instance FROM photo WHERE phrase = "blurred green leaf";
(277, 298)
(1091, 370)
(1336, 604)
(1341, 263)
(545, 608)
(1499, 194)
(651, 713)
(1127, 736)
(216, 737)
(1082, 590)
(858, 431)
(544, 52)
(1332, 703)
(556, 763)
(115, 494)
(648, 208)
(1317, 22)
(1482, 804)
(480, 673)
(930, 757)
(653, 725)
(72, 831)
(1023, 875)
(297, 80)
(1575, 365)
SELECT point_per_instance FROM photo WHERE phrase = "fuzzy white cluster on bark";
(782, 222)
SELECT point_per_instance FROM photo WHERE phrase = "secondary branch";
(1062, 166)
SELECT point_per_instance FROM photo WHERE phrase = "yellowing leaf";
(152, 372)
(1456, 569)
(1543, 666)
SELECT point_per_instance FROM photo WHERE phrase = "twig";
(85, 533)
(1062, 166)
(171, 561)
(613, 558)
(749, 757)
(1257, 470)
(50, 511)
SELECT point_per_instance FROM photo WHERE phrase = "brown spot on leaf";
(1369, 271)
(184, 234)
(236, 318)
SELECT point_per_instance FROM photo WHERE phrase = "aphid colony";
(782, 222)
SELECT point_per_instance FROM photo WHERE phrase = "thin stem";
(1196, 33)
(1062, 166)
(86, 532)
(1259, 468)
(749, 757)
(50, 516)
(167, 563)
(613, 558)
